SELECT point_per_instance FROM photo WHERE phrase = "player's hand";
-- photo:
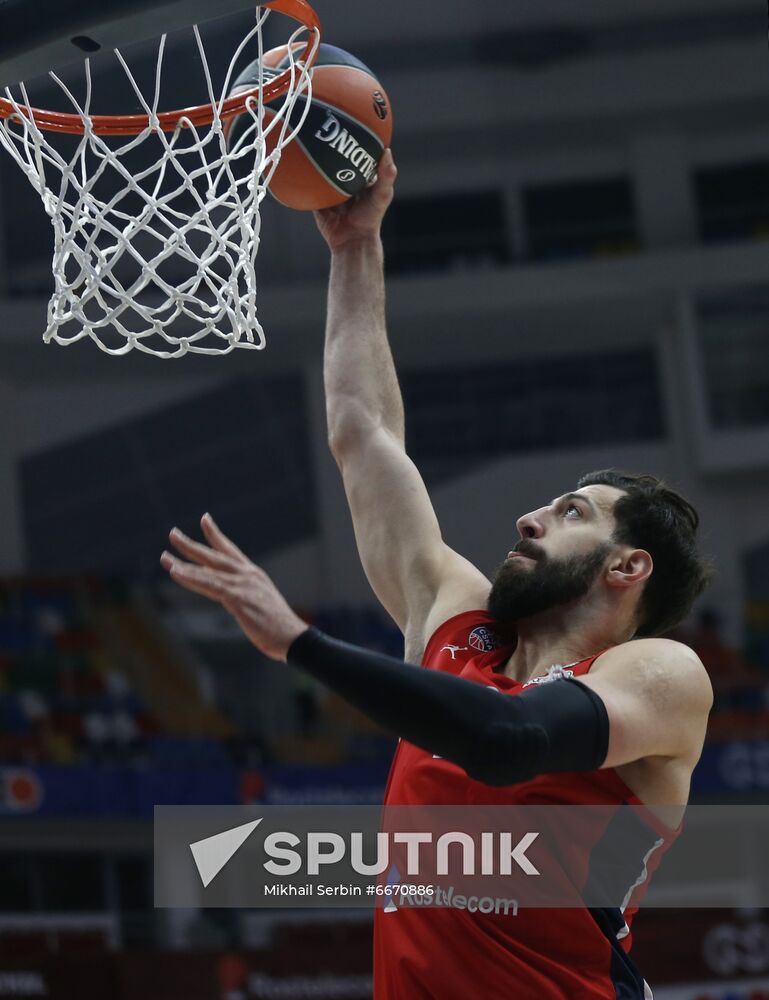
(361, 216)
(223, 573)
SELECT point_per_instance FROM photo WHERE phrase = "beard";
(521, 592)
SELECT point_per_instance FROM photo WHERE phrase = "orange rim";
(202, 114)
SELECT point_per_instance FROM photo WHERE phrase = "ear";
(628, 567)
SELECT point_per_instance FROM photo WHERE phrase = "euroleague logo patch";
(483, 639)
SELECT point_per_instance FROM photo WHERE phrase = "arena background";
(577, 278)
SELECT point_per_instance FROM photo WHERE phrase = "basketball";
(347, 128)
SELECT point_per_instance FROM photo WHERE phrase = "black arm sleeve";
(497, 739)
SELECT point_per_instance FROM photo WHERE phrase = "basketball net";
(172, 246)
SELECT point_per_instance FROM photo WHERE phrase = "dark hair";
(653, 517)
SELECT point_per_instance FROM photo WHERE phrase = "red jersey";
(442, 953)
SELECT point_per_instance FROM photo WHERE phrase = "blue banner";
(732, 768)
(111, 790)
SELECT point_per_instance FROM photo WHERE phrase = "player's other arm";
(648, 698)
(415, 575)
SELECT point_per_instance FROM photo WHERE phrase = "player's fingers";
(381, 191)
(386, 172)
(196, 578)
(387, 166)
(198, 553)
(216, 538)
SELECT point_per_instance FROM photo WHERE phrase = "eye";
(572, 508)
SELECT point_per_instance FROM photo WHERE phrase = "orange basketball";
(347, 128)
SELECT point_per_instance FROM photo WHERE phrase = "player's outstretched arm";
(497, 740)
(418, 578)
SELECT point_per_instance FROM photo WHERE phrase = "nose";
(530, 525)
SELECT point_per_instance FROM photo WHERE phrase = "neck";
(561, 638)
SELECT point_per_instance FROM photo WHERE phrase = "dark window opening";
(734, 331)
(461, 418)
(733, 201)
(580, 219)
(446, 231)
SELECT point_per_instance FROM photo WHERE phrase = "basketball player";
(597, 709)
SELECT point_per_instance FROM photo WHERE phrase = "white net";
(156, 235)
